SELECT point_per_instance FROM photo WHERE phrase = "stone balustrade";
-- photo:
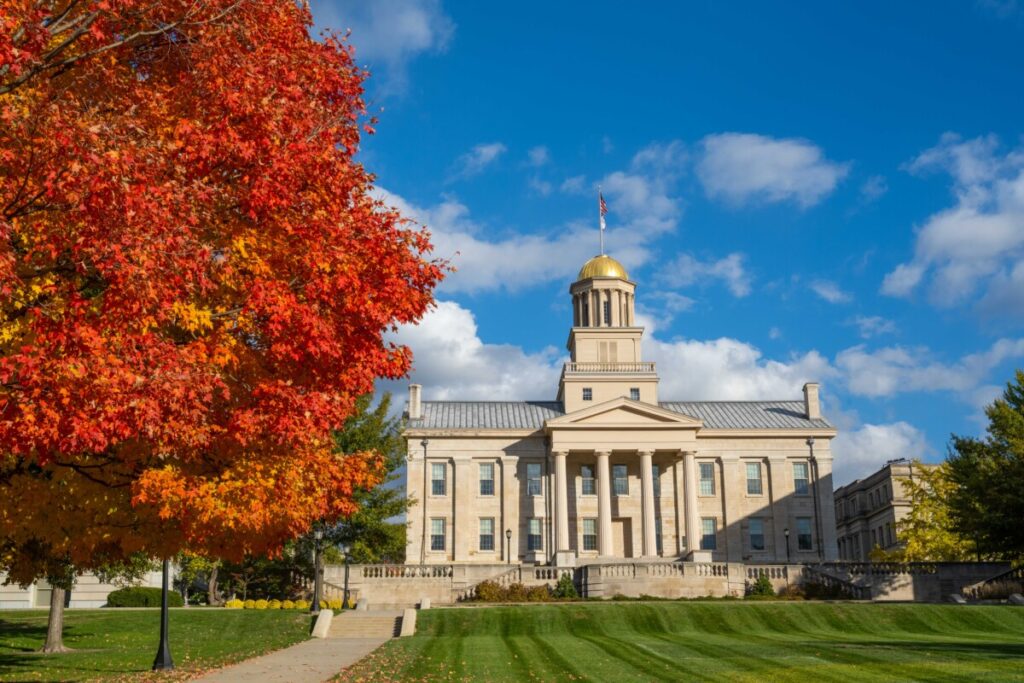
(609, 367)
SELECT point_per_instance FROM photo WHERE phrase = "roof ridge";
(765, 400)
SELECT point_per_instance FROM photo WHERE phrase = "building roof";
(532, 414)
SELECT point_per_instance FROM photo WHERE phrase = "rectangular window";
(437, 525)
(606, 306)
(588, 394)
(708, 538)
(590, 534)
(707, 479)
(657, 536)
(800, 478)
(656, 478)
(438, 473)
(487, 479)
(533, 479)
(756, 533)
(634, 394)
(487, 533)
(589, 485)
(620, 480)
(534, 540)
(754, 478)
(803, 534)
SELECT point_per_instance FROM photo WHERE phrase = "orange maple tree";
(196, 280)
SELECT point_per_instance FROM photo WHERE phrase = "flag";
(602, 208)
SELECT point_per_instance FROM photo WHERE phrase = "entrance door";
(622, 537)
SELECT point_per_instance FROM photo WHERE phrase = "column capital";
(559, 454)
(646, 452)
(606, 454)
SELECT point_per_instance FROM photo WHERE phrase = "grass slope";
(778, 641)
(121, 644)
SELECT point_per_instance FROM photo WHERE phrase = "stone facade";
(607, 471)
(868, 510)
(89, 591)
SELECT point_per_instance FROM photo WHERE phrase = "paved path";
(311, 661)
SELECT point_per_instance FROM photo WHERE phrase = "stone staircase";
(366, 624)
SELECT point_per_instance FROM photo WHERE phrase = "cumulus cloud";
(541, 187)
(574, 185)
(861, 451)
(873, 326)
(977, 243)
(896, 369)
(873, 188)
(474, 161)
(685, 270)
(388, 32)
(743, 167)
(538, 156)
(830, 292)
(452, 362)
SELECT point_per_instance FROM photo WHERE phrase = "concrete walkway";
(311, 661)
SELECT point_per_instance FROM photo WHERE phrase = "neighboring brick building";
(868, 510)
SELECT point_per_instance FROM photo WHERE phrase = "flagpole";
(600, 219)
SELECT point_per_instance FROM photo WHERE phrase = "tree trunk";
(211, 589)
(55, 623)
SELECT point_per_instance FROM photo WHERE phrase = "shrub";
(323, 604)
(516, 592)
(141, 596)
(490, 591)
(792, 592)
(274, 604)
(261, 604)
(999, 590)
(538, 594)
(250, 604)
(234, 604)
(335, 604)
(301, 604)
(814, 590)
(287, 604)
(762, 588)
(351, 602)
(566, 589)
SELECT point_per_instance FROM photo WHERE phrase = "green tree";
(928, 533)
(372, 532)
(985, 500)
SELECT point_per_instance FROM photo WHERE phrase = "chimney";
(416, 407)
(812, 407)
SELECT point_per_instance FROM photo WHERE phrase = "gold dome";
(602, 266)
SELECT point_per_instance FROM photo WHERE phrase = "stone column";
(613, 303)
(692, 516)
(561, 503)
(604, 505)
(680, 504)
(647, 491)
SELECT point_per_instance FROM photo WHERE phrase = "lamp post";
(318, 536)
(786, 533)
(423, 543)
(344, 550)
(508, 546)
(163, 661)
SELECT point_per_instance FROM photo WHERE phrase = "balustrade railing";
(771, 571)
(405, 571)
(609, 367)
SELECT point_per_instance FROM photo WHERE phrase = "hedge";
(141, 596)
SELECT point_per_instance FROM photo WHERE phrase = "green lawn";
(677, 641)
(121, 644)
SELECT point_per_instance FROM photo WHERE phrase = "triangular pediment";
(622, 412)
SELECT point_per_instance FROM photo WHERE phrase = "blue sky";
(801, 193)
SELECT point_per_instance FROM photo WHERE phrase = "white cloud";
(861, 451)
(541, 187)
(686, 270)
(452, 362)
(744, 167)
(389, 32)
(873, 188)
(729, 369)
(896, 369)
(574, 185)
(830, 292)
(872, 326)
(775, 333)
(538, 156)
(978, 242)
(476, 160)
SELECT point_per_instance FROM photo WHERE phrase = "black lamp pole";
(508, 546)
(786, 532)
(163, 659)
(318, 536)
(344, 549)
